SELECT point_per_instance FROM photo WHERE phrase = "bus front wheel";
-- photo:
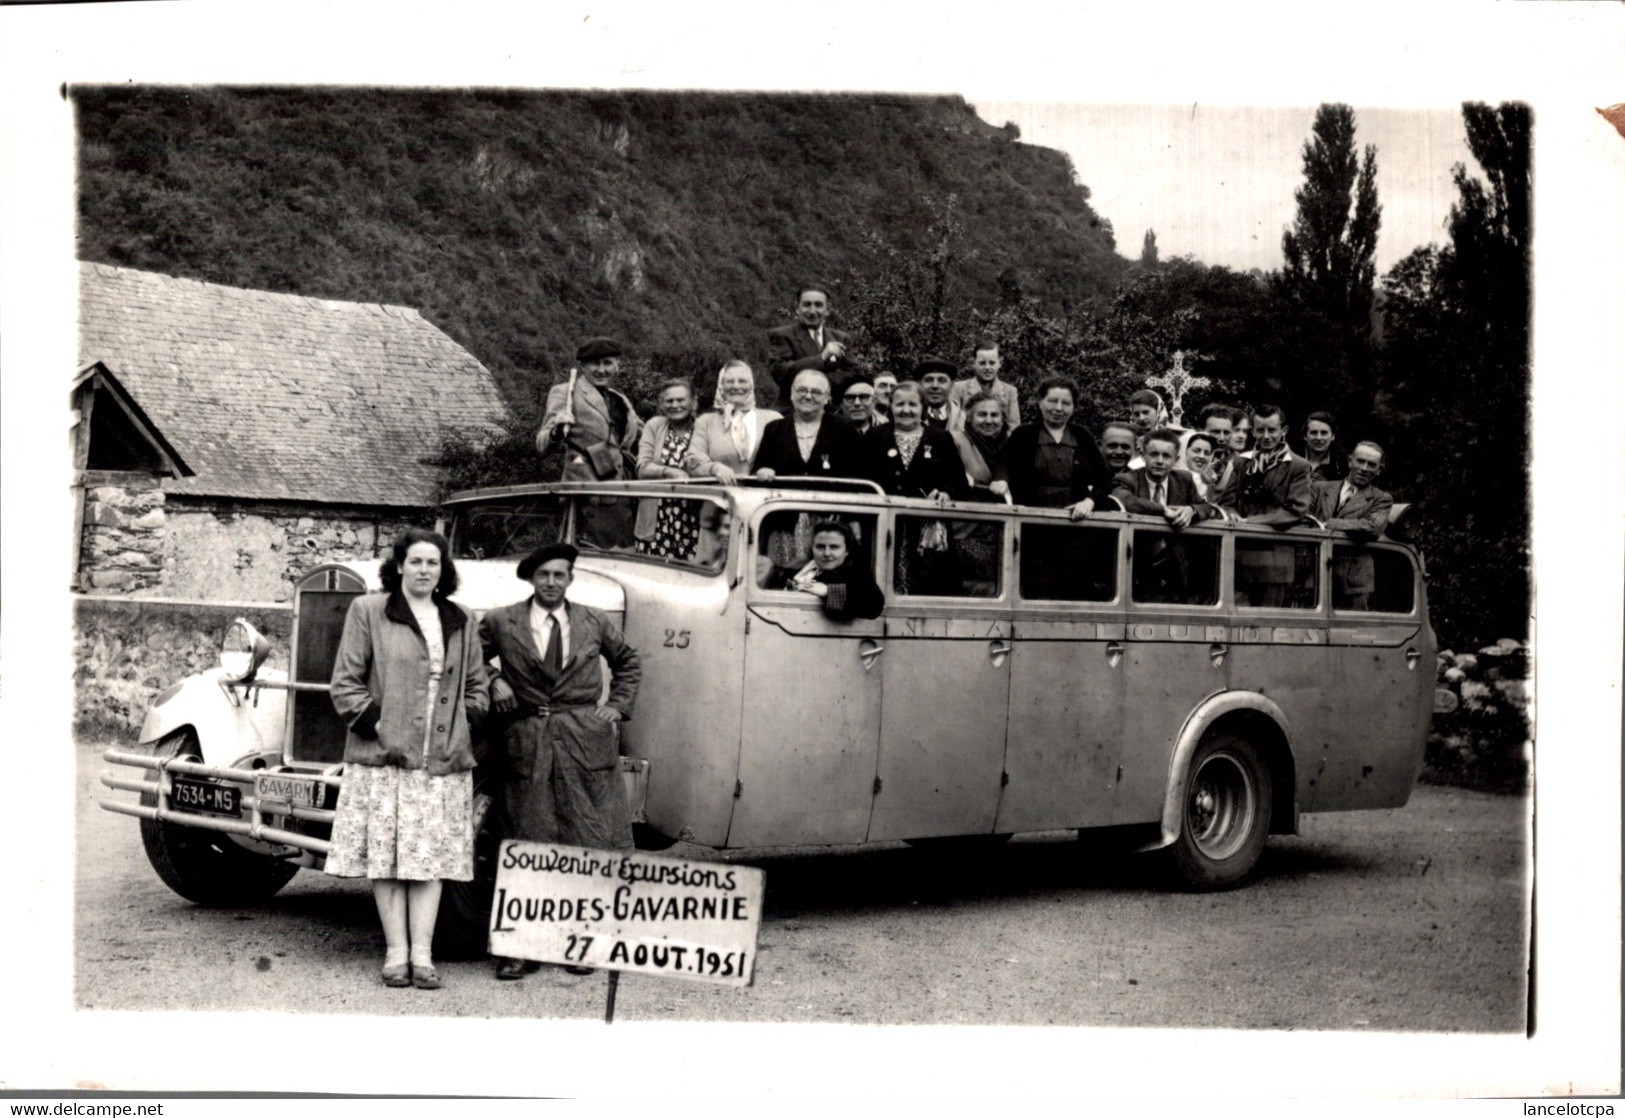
(1227, 801)
(206, 867)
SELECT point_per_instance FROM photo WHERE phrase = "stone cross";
(1176, 381)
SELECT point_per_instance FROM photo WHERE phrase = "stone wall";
(140, 542)
(125, 541)
(126, 650)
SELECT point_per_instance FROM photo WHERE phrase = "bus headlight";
(242, 652)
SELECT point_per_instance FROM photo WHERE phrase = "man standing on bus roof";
(595, 420)
(985, 366)
(564, 780)
(808, 343)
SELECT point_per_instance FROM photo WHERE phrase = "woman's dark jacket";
(936, 463)
(852, 592)
(1031, 469)
(837, 452)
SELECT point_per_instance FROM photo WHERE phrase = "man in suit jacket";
(1356, 506)
(600, 425)
(1269, 487)
(810, 442)
(564, 781)
(1162, 568)
(985, 365)
(1157, 489)
(808, 344)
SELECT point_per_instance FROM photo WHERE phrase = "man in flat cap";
(808, 343)
(564, 779)
(596, 422)
(936, 378)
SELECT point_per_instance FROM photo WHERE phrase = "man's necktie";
(553, 661)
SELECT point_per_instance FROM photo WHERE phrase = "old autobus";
(1191, 690)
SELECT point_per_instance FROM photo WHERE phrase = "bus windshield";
(682, 531)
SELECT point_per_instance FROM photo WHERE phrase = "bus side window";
(784, 545)
(1175, 569)
(1068, 563)
(938, 557)
(1372, 581)
(1277, 574)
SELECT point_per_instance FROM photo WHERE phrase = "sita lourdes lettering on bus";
(628, 907)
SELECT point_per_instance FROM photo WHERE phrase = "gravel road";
(1411, 919)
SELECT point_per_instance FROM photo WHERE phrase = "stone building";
(232, 439)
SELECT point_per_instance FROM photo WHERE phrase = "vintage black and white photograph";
(546, 556)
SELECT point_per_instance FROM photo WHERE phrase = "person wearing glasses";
(858, 403)
(810, 442)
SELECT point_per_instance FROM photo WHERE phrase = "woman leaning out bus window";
(837, 577)
(409, 682)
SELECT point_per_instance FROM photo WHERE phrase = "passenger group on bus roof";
(945, 437)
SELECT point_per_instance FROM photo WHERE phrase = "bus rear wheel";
(205, 867)
(1227, 801)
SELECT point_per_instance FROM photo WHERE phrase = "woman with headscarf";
(675, 526)
(409, 680)
(725, 440)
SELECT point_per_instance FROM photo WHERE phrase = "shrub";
(1480, 735)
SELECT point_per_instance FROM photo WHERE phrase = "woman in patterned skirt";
(663, 446)
(409, 681)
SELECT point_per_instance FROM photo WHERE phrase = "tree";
(1331, 247)
(1148, 250)
(1455, 386)
(1330, 273)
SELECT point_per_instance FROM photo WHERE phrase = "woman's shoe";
(398, 975)
(425, 977)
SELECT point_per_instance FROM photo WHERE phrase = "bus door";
(810, 726)
(1380, 678)
(946, 679)
(1278, 643)
(1175, 655)
(1066, 701)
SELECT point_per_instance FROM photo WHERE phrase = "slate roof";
(284, 397)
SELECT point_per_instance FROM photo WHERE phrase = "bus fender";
(230, 722)
(1196, 726)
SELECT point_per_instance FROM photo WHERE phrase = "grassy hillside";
(520, 221)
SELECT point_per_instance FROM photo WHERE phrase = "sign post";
(627, 911)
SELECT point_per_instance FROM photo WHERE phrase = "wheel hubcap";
(1223, 801)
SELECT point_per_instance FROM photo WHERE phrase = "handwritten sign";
(622, 910)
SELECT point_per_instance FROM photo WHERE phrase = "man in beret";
(596, 422)
(936, 378)
(564, 779)
(808, 343)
